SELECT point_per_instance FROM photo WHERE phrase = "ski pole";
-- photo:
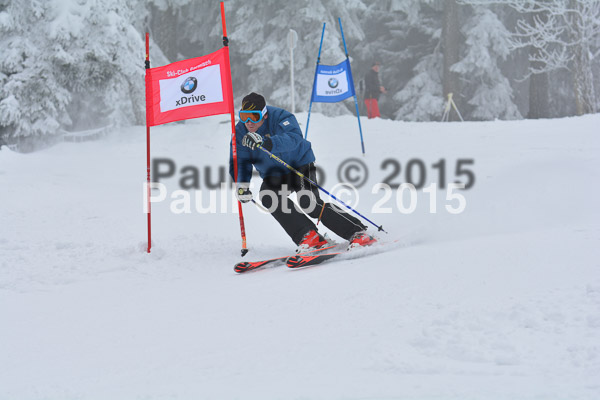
(301, 175)
(260, 206)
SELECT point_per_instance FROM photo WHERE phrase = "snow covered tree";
(81, 67)
(99, 56)
(487, 42)
(32, 100)
(422, 99)
(474, 75)
(566, 36)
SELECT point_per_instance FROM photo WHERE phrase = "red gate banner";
(187, 89)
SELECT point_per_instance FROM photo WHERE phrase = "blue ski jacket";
(288, 144)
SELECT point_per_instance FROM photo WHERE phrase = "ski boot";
(361, 239)
(311, 241)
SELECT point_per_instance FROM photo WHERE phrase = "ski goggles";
(252, 115)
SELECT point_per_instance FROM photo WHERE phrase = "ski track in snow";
(499, 302)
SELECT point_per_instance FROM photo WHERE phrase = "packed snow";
(500, 301)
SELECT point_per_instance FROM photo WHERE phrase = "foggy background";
(68, 65)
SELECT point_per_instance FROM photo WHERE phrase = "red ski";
(304, 260)
(246, 266)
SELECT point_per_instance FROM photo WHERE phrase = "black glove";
(253, 139)
(243, 193)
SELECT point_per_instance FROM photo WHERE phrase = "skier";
(277, 131)
(373, 89)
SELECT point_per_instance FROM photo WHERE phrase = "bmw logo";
(189, 85)
(333, 83)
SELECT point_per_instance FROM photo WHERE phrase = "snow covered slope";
(501, 301)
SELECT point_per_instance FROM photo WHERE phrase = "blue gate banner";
(333, 83)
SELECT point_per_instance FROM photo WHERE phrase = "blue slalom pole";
(362, 143)
(301, 175)
(315, 80)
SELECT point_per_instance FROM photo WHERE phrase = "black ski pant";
(294, 221)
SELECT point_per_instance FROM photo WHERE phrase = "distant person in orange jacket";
(373, 89)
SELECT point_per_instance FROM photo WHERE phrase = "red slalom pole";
(147, 65)
(233, 136)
